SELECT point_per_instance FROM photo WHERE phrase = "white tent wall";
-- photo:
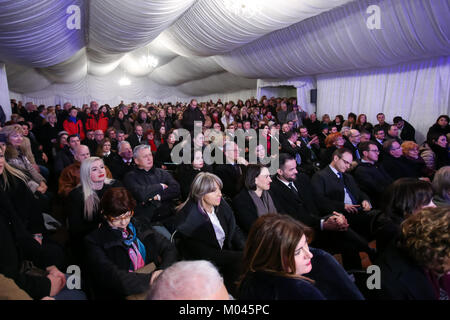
(4, 92)
(419, 91)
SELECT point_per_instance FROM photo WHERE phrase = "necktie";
(298, 159)
(291, 186)
(357, 155)
(341, 179)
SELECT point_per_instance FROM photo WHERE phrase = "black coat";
(17, 245)
(267, 286)
(402, 278)
(232, 177)
(408, 132)
(108, 261)
(198, 239)
(189, 116)
(353, 149)
(245, 210)
(373, 180)
(118, 167)
(63, 158)
(398, 167)
(329, 193)
(134, 140)
(163, 156)
(185, 175)
(437, 129)
(299, 205)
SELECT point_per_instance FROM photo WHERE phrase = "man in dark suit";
(393, 133)
(381, 123)
(336, 190)
(406, 130)
(191, 114)
(292, 147)
(65, 156)
(352, 144)
(379, 139)
(292, 194)
(137, 137)
(122, 162)
(371, 178)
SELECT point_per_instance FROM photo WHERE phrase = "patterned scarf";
(136, 249)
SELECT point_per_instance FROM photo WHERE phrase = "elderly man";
(137, 137)
(153, 188)
(122, 162)
(352, 143)
(70, 176)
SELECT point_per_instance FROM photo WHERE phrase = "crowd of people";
(99, 187)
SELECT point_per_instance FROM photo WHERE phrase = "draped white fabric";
(4, 93)
(418, 91)
(340, 40)
(211, 26)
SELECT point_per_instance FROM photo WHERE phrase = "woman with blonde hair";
(207, 228)
(83, 202)
(18, 154)
(279, 265)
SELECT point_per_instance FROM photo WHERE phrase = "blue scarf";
(129, 240)
(73, 119)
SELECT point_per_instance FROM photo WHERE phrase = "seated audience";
(394, 162)
(381, 123)
(393, 133)
(278, 265)
(117, 252)
(203, 283)
(354, 139)
(163, 159)
(362, 124)
(137, 137)
(207, 228)
(414, 161)
(333, 142)
(73, 125)
(417, 266)
(441, 187)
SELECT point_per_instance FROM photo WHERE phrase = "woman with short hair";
(208, 229)
(119, 257)
(441, 187)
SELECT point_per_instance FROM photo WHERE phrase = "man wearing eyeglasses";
(371, 178)
(336, 190)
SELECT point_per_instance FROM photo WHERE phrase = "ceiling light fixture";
(124, 81)
(243, 8)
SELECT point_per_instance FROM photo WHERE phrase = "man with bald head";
(70, 176)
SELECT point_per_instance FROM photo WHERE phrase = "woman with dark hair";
(403, 198)
(150, 137)
(160, 136)
(254, 200)
(435, 151)
(417, 267)
(338, 122)
(186, 173)
(361, 123)
(277, 258)
(118, 257)
(207, 228)
(163, 158)
(121, 122)
(351, 121)
(441, 127)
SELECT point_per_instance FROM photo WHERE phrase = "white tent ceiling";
(208, 46)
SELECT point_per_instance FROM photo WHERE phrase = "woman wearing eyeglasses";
(279, 265)
(115, 251)
(83, 202)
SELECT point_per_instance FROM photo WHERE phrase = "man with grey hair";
(354, 138)
(189, 280)
(153, 188)
(122, 162)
